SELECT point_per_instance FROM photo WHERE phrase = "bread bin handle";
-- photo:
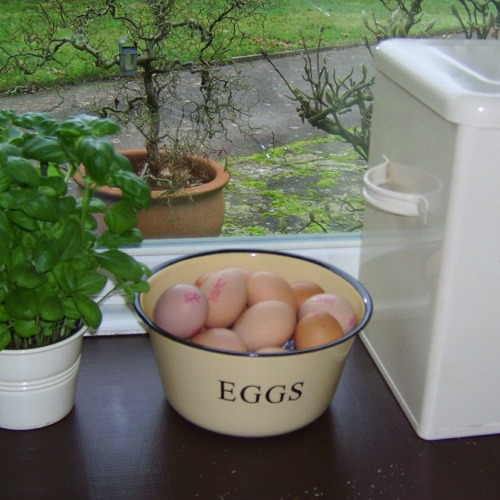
(390, 200)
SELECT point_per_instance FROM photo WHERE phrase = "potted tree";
(52, 262)
(162, 41)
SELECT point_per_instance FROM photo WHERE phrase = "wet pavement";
(274, 118)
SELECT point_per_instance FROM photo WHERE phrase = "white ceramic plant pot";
(38, 386)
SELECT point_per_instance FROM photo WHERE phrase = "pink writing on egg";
(326, 300)
(217, 290)
(192, 298)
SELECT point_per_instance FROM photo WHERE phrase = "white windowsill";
(340, 250)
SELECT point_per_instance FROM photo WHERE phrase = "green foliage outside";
(285, 25)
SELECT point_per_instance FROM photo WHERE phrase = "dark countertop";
(123, 441)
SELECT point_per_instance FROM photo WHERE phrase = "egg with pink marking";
(337, 306)
(227, 297)
(181, 310)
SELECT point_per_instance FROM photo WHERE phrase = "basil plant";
(53, 261)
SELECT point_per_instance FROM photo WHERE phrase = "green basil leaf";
(111, 240)
(67, 205)
(91, 224)
(24, 221)
(46, 254)
(91, 314)
(72, 128)
(101, 127)
(122, 164)
(5, 180)
(38, 122)
(120, 217)
(7, 149)
(22, 304)
(71, 240)
(96, 206)
(18, 256)
(5, 337)
(25, 328)
(27, 277)
(53, 186)
(7, 201)
(5, 227)
(91, 283)
(5, 317)
(28, 240)
(66, 274)
(121, 265)
(134, 189)
(51, 308)
(97, 155)
(139, 287)
(22, 171)
(70, 310)
(4, 248)
(44, 149)
(41, 207)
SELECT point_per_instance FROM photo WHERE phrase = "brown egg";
(201, 279)
(226, 294)
(305, 289)
(264, 285)
(315, 329)
(220, 338)
(266, 324)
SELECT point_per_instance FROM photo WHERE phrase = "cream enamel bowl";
(243, 394)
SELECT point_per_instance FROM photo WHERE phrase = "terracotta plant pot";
(190, 213)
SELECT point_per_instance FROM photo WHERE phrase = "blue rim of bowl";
(363, 292)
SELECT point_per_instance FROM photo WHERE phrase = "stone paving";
(314, 188)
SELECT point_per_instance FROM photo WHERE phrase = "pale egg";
(245, 272)
(227, 297)
(265, 285)
(315, 329)
(203, 277)
(220, 338)
(266, 324)
(181, 310)
(337, 306)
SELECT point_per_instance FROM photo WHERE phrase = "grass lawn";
(284, 27)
